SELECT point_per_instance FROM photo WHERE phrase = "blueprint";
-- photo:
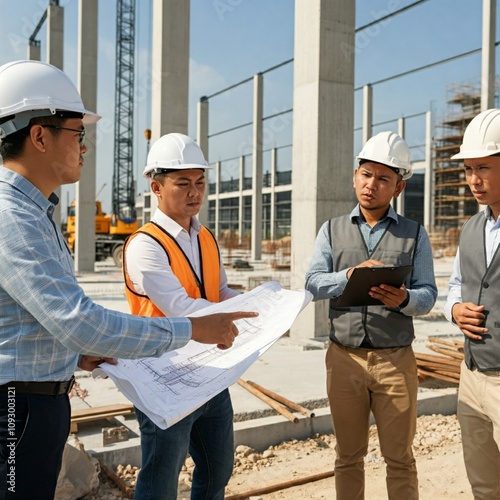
(172, 386)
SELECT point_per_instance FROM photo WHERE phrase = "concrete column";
(488, 55)
(87, 85)
(240, 198)
(202, 139)
(429, 175)
(55, 46)
(258, 103)
(367, 112)
(217, 202)
(323, 123)
(273, 195)
(34, 50)
(55, 35)
(170, 72)
(400, 201)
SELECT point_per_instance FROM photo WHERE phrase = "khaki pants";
(383, 381)
(479, 417)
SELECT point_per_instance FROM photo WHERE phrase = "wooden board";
(99, 412)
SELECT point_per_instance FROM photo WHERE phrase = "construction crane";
(123, 189)
(112, 229)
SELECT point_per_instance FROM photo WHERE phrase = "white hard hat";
(389, 149)
(30, 89)
(481, 137)
(174, 152)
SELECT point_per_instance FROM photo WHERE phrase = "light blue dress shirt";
(46, 320)
(324, 283)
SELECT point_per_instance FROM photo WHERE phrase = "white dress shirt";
(149, 268)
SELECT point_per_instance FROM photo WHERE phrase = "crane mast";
(123, 190)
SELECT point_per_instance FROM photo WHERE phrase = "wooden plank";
(437, 359)
(127, 491)
(452, 343)
(281, 399)
(102, 410)
(281, 486)
(94, 413)
(429, 365)
(438, 375)
(271, 402)
(447, 352)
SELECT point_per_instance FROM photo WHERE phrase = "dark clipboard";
(363, 278)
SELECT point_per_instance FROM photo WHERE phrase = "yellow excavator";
(110, 233)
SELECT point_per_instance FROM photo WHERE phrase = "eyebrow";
(383, 175)
(477, 165)
(202, 176)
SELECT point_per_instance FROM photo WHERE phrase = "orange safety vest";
(207, 288)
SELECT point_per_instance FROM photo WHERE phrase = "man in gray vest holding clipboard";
(473, 305)
(370, 363)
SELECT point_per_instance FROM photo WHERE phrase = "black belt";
(44, 388)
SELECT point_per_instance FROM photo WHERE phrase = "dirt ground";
(437, 449)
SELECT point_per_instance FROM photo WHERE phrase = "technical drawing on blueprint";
(170, 387)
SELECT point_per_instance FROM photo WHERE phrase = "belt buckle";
(64, 387)
(71, 383)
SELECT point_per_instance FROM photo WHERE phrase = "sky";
(232, 40)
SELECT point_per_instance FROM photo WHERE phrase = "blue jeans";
(207, 434)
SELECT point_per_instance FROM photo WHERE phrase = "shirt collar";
(356, 214)
(23, 185)
(171, 226)
(489, 216)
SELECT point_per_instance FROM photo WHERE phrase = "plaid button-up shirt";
(46, 321)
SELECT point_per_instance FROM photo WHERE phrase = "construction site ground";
(271, 449)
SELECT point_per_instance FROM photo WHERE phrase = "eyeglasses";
(80, 131)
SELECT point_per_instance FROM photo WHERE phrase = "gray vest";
(385, 327)
(480, 285)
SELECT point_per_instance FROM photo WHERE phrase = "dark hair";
(12, 146)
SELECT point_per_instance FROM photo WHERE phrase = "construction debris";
(111, 435)
(281, 486)
(77, 390)
(127, 491)
(250, 387)
(282, 399)
(79, 474)
(446, 366)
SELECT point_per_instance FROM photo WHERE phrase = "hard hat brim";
(474, 153)
(190, 166)
(89, 118)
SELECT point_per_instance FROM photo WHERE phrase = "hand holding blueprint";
(172, 386)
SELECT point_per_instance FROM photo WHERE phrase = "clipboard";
(363, 278)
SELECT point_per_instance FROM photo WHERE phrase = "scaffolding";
(453, 201)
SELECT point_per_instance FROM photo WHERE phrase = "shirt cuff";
(342, 278)
(181, 332)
